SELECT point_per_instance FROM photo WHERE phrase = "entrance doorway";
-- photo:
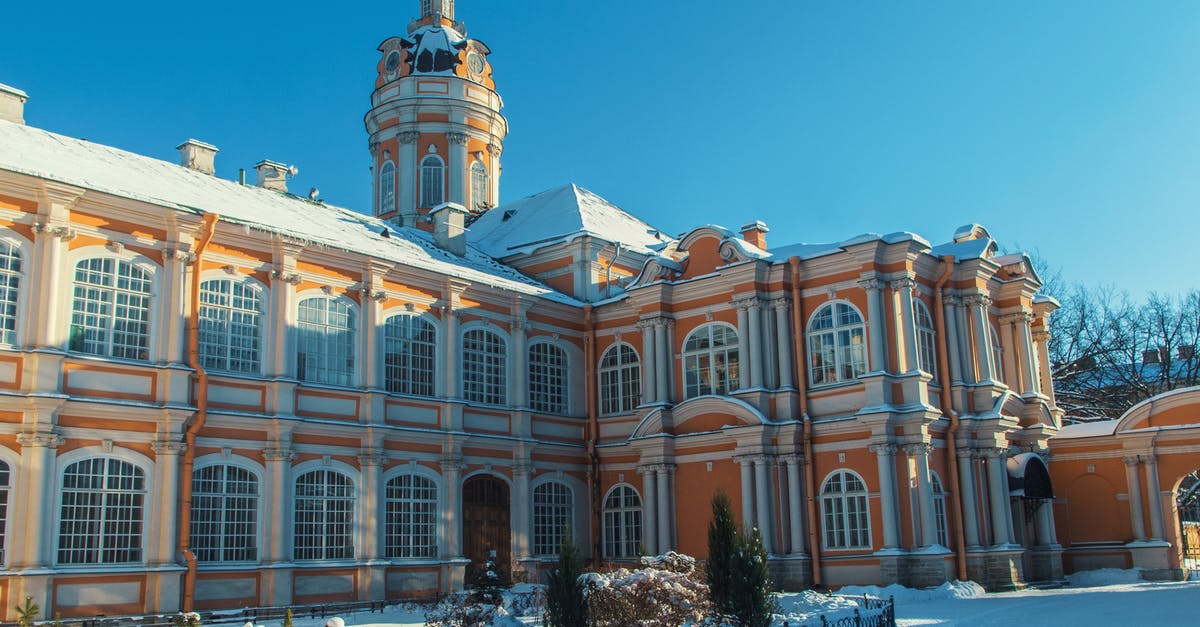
(1188, 502)
(486, 530)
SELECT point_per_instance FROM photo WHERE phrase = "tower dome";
(436, 132)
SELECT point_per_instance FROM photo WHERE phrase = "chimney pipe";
(755, 233)
(450, 227)
(197, 155)
(12, 104)
(273, 175)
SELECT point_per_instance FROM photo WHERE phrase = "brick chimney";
(272, 175)
(450, 227)
(197, 155)
(755, 233)
(12, 104)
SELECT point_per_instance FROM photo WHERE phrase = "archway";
(1187, 502)
(486, 530)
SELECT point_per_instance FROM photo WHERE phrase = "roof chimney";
(12, 104)
(273, 175)
(450, 227)
(755, 233)
(197, 155)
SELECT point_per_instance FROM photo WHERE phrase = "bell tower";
(436, 132)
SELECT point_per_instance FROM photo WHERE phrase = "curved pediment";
(703, 414)
(1174, 408)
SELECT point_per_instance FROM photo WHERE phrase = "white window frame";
(926, 346)
(387, 187)
(323, 345)
(939, 509)
(622, 523)
(553, 503)
(484, 373)
(320, 526)
(216, 346)
(12, 464)
(619, 382)
(399, 377)
(479, 185)
(432, 180)
(223, 512)
(400, 539)
(836, 341)
(720, 362)
(140, 464)
(845, 514)
(997, 354)
(12, 290)
(109, 295)
(548, 381)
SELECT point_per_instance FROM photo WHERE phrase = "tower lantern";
(435, 127)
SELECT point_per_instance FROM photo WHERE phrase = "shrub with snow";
(665, 591)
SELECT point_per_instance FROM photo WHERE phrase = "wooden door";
(486, 526)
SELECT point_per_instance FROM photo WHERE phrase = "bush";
(565, 603)
(722, 536)
(665, 592)
(750, 595)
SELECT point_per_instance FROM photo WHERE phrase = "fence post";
(857, 619)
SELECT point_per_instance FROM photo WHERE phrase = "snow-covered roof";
(560, 215)
(43, 154)
(1086, 430)
(781, 254)
(435, 49)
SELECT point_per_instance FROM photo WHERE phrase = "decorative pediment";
(703, 414)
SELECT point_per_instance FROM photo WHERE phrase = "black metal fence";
(871, 612)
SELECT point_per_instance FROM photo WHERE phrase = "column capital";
(871, 285)
(452, 462)
(744, 460)
(746, 303)
(495, 149)
(407, 137)
(371, 457)
(1131, 460)
(1018, 317)
(918, 448)
(278, 454)
(994, 453)
(41, 439)
(906, 283)
(782, 302)
(952, 299)
(977, 299)
(1041, 335)
(883, 449)
(792, 458)
(168, 447)
(457, 138)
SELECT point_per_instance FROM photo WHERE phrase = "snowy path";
(1128, 604)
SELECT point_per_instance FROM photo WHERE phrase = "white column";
(43, 327)
(953, 341)
(966, 491)
(518, 363)
(884, 457)
(277, 488)
(406, 177)
(920, 452)
(521, 510)
(1008, 341)
(451, 507)
(755, 356)
(747, 467)
(908, 328)
(165, 497)
(763, 500)
(665, 363)
(795, 502)
(743, 344)
(494, 174)
(281, 361)
(457, 168)
(1154, 498)
(370, 509)
(783, 342)
(649, 510)
(766, 348)
(965, 355)
(32, 536)
(1135, 498)
(169, 304)
(649, 372)
(664, 508)
(998, 475)
(1041, 341)
(876, 348)
(983, 337)
(1045, 524)
(1026, 355)
(370, 338)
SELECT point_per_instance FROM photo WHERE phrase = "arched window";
(710, 360)
(325, 341)
(939, 508)
(845, 513)
(479, 186)
(485, 367)
(100, 521)
(110, 311)
(620, 380)
(925, 346)
(409, 355)
(10, 282)
(5, 482)
(387, 187)
(622, 523)
(432, 181)
(835, 344)
(553, 516)
(231, 315)
(324, 511)
(410, 517)
(547, 378)
(224, 524)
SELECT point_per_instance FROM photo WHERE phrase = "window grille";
(925, 347)
(622, 523)
(325, 341)
(5, 477)
(224, 525)
(409, 355)
(100, 521)
(547, 378)
(710, 360)
(324, 511)
(411, 517)
(387, 187)
(10, 281)
(844, 508)
(432, 181)
(485, 367)
(836, 345)
(939, 509)
(110, 311)
(231, 326)
(479, 186)
(620, 380)
(553, 516)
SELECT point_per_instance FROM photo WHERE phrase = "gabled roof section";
(35, 152)
(560, 215)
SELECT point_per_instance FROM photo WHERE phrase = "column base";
(916, 570)
(1045, 563)
(1152, 557)
(791, 572)
(277, 586)
(997, 570)
(454, 574)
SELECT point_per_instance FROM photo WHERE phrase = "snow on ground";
(1101, 597)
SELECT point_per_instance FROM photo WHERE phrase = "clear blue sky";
(1072, 128)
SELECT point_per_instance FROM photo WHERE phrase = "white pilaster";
(649, 510)
(743, 345)
(451, 503)
(165, 498)
(276, 497)
(518, 361)
(998, 481)
(370, 505)
(763, 500)
(795, 504)
(521, 509)
(755, 356)
(966, 489)
(907, 331)
(747, 468)
(406, 175)
(457, 168)
(920, 452)
(886, 461)
(1154, 498)
(32, 536)
(664, 508)
(978, 304)
(877, 348)
(649, 371)
(783, 341)
(1135, 498)
(663, 360)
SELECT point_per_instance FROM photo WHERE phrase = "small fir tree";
(722, 536)
(27, 612)
(751, 598)
(565, 605)
(287, 617)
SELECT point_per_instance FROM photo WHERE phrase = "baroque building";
(215, 394)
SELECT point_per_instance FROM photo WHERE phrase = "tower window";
(479, 186)
(387, 188)
(432, 181)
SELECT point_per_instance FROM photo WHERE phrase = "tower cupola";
(436, 132)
